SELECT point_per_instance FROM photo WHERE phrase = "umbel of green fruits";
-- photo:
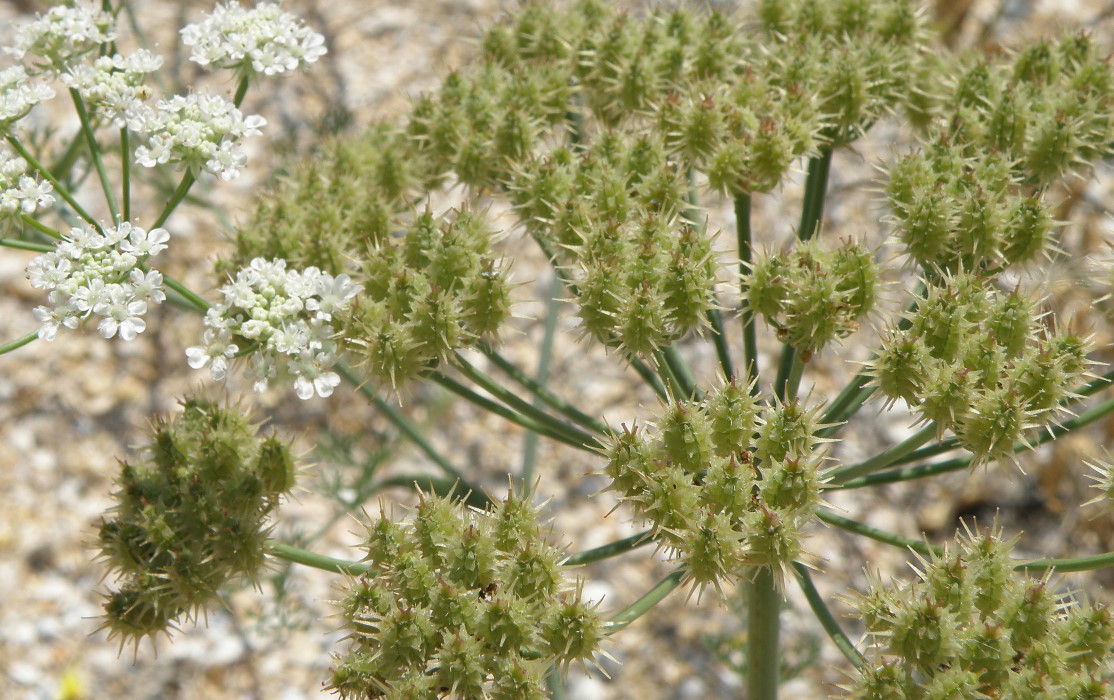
(190, 518)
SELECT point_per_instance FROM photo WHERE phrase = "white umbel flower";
(19, 92)
(285, 316)
(19, 192)
(263, 40)
(52, 40)
(201, 131)
(90, 273)
(115, 86)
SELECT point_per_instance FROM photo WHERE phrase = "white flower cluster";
(61, 34)
(19, 93)
(95, 274)
(19, 192)
(115, 85)
(260, 40)
(285, 316)
(201, 131)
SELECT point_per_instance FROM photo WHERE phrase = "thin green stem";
(763, 630)
(669, 378)
(890, 538)
(444, 487)
(651, 598)
(125, 173)
(40, 227)
(750, 340)
(816, 184)
(26, 245)
(241, 91)
(545, 356)
(784, 387)
(925, 470)
(297, 555)
(682, 371)
(1065, 566)
(648, 376)
(719, 339)
(511, 415)
(611, 549)
(551, 399)
(196, 301)
(62, 165)
(19, 342)
(826, 618)
(95, 154)
(523, 407)
(176, 198)
(403, 424)
(793, 381)
(45, 174)
(883, 459)
(849, 400)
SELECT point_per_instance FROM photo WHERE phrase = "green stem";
(845, 404)
(241, 91)
(784, 387)
(719, 339)
(176, 198)
(816, 184)
(305, 557)
(682, 371)
(46, 175)
(404, 426)
(611, 549)
(19, 342)
(925, 470)
(883, 459)
(890, 538)
(511, 415)
(40, 227)
(95, 154)
(763, 630)
(651, 598)
(545, 356)
(198, 303)
(826, 618)
(125, 173)
(743, 235)
(1064, 566)
(525, 408)
(648, 376)
(551, 399)
(669, 378)
(25, 245)
(793, 381)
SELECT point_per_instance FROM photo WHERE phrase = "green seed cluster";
(725, 484)
(462, 603)
(857, 56)
(191, 518)
(329, 207)
(1049, 112)
(431, 290)
(813, 296)
(642, 275)
(956, 211)
(969, 628)
(977, 361)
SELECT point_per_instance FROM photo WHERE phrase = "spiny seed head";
(461, 596)
(191, 518)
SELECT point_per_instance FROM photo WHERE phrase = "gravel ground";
(69, 410)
